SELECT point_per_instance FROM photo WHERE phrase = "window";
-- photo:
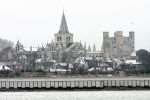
(61, 45)
(68, 38)
(58, 38)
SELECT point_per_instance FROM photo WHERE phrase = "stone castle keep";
(119, 45)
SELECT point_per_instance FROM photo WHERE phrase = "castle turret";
(132, 39)
(106, 44)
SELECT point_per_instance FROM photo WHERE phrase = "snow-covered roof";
(62, 64)
(61, 70)
(88, 58)
(95, 52)
(132, 62)
(38, 60)
(28, 49)
(91, 58)
(3, 67)
(133, 54)
(54, 61)
(108, 60)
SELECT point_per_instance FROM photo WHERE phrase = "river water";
(76, 95)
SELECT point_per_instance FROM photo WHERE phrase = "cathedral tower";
(63, 38)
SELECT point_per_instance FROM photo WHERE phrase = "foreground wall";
(74, 83)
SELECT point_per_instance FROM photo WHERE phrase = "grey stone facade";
(119, 45)
(63, 38)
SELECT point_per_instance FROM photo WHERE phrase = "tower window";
(61, 45)
(68, 38)
(58, 38)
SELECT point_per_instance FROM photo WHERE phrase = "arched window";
(59, 38)
(68, 38)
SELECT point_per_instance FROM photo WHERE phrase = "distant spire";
(89, 49)
(81, 44)
(85, 45)
(63, 25)
(94, 48)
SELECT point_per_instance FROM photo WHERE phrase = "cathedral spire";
(63, 25)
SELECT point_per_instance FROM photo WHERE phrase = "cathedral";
(63, 48)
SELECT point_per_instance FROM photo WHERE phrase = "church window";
(68, 38)
(58, 38)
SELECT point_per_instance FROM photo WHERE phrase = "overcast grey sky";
(34, 22)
